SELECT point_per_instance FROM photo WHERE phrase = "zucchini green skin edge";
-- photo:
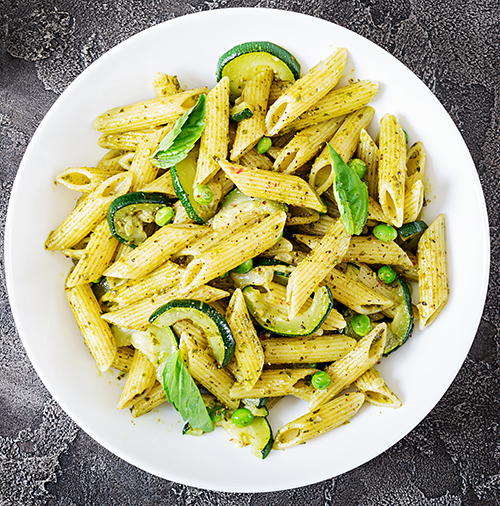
(407, 307)
(130, 199)
(280, 327)
(258, 47)
(228, 341)
(259, 431)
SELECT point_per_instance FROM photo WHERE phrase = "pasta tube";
(432, 272)
(305, 92)
(318, 421)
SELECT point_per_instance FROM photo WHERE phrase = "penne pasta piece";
(305, 92)
(318, 421)
(215, 136)
(311, 271)
(251, 130)
(277, 89)
(375, 211)
(306, 350)
(248, 353)
(305, 145)
(344, 142)
(265, 184)
(162, 184)
(154, 398)
(164, 277)
(376, 391)
(415, 164)
(272, 383)
(96, 257)
(333, 322)
(128, 141)
(254, 159)
(414, 200)
(368, 151)
(151, 113)
(432, 272)
(155, 250)
(392, 169)
(136, 316)
(366, 249)
(123, 358)
(349, 368)
(88, 213)
(204, 370)
(140, 380)
(356, 295)
(84, 179)
(96, 332)
(337, 103)
(237, 249)
(143, 170)
(165, 85)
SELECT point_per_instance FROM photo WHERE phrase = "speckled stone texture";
(453, 457)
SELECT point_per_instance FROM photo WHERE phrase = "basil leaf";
(180, 140)
(351, 195)
(183, 393)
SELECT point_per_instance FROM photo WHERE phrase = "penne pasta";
(432, 272)
(305, 92)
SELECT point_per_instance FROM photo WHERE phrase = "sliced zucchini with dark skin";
(236, 203)
(410, 234)
(183, 176)
(214, 325)
(305, 323)
(258, 434)
(401, 328)
(128, 213)
(240, 111)
(244, 61)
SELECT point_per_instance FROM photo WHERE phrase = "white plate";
(419, 373)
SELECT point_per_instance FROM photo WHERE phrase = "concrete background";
(452, 457)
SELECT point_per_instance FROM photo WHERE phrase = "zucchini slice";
(258, 434)
(240, 111)
(128, 213)
(236, 203)
(214, 325)
(157, 343)
(183, 175)
(410, 234)
(244, 61)
(269, 317)
(401, 328)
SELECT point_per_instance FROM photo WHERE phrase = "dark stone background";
(452, 457)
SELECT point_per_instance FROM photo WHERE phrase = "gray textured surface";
(453, 457)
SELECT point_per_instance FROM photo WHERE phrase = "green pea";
(361, 324)
(244, 267)
(242, 417)
(385, 232)
(164, 215)
(203, 194)
(264, 144)
(358, 166)
(321, 380)
(387, 274)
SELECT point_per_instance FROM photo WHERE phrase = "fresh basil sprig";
(183, 393)
(351, 195)
(180, 140)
